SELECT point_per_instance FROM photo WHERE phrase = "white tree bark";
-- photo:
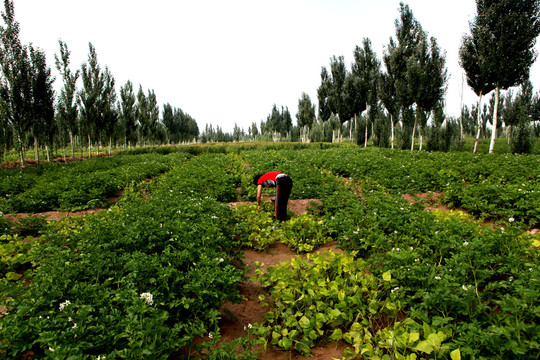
(494, 130)
(392, 129)
(479, 121)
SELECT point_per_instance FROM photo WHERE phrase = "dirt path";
(236, 317)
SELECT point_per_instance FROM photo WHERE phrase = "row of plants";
(142, 280)
(455, 287)
(489, 186)
(332, 297)
(260, 230)
(481, 283)
(78, 185)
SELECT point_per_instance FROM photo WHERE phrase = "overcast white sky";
(227, 62)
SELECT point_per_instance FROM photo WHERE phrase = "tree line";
(395, 101)
(90, 117)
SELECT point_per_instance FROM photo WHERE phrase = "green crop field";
(146, 277)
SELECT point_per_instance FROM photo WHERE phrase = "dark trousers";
(283, 190)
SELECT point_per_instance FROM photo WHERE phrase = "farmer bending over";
(283, 184)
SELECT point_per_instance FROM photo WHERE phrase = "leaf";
(424, 346)
(356, 330)
(304, 322)
(291, 322)
(13, 276)
(436, 339)
(334, 314)
(455, 355)
(336, 335)
(285, 343)
(413, 337)
(387, 276)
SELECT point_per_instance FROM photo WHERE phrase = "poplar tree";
(42, 125)
(127, 113)
(366, 68)
(427, 76)
(169, 123)
(109, 112)
(16, 79)
(475, 66)
(66, 106)
(153, 114)
(507, 32)
(323, 95)
(305, 116)
(143, 115)
(306, 112)
(89, 97)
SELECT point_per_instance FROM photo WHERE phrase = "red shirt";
(269, 179)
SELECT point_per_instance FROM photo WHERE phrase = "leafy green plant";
(320, 298)
(242, 348)
(33, 225)
(259, 230)
(14, 255)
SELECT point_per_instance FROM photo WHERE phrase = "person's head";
(256, 179)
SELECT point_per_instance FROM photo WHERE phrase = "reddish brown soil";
(432, 201)
(54, 215)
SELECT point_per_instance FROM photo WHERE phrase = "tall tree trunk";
(20, 147)
(72, 144)
(479, 121)
(36, 149)
(367, 122)
(48, 152)
(89, 147)
(355, 124)
(494, 131)
(461, 114)
(413, 133)
(110, 145)
(392, 129)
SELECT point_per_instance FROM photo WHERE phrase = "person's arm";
(259, 192)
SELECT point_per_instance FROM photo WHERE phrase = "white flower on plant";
(210, 335)
(221, 260)
(394, 289)
(530, 269)
(465, 243)
(511, 219)
(511, 278)
(101, 358)
(51, 349)
(437, 278)
(74, 326)
(416, 260)
(149, 298)
(465, 287)
(64, 304)
(250, 326)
